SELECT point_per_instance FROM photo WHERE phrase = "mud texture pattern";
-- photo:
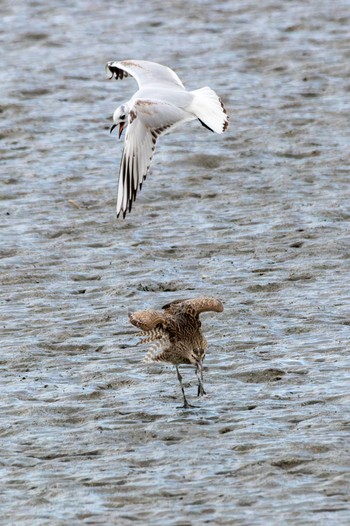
(257, 217)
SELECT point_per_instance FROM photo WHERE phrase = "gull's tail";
(209, 109)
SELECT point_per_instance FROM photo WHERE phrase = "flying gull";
(159, 106)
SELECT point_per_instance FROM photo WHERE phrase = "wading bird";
(176, 331)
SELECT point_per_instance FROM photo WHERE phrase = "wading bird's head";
(120, 116)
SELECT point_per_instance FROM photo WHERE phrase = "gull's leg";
(186, 404)
(199, 373)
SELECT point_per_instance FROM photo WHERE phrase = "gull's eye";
(122, 117)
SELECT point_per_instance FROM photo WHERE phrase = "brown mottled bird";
(177, 332)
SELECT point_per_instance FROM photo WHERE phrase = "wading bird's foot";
(187, 406)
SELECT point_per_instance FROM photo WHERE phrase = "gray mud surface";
(258, 217)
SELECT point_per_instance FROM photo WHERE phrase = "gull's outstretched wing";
(148, 120)
(144, 72)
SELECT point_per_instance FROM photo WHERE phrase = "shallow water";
(258, 217)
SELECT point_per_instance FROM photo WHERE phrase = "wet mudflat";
(258, 217)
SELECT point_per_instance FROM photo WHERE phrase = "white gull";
(160, 105)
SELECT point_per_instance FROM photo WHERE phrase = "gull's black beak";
(112, 128)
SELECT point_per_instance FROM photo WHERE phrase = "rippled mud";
(258, 217)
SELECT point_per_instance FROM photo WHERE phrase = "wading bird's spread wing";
(153, 323)
(147, 320)
(195, 306)
(144, 72)
(148, 120)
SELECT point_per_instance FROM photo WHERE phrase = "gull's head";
(120, 116)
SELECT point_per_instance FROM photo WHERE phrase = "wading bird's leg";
(186, 404)
(199, 373)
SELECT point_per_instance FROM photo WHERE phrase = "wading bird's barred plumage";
(176, 331)
(160, 105)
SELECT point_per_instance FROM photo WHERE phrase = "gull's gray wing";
(144, 72)
(148, 120)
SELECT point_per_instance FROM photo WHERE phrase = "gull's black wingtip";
(122, 214)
